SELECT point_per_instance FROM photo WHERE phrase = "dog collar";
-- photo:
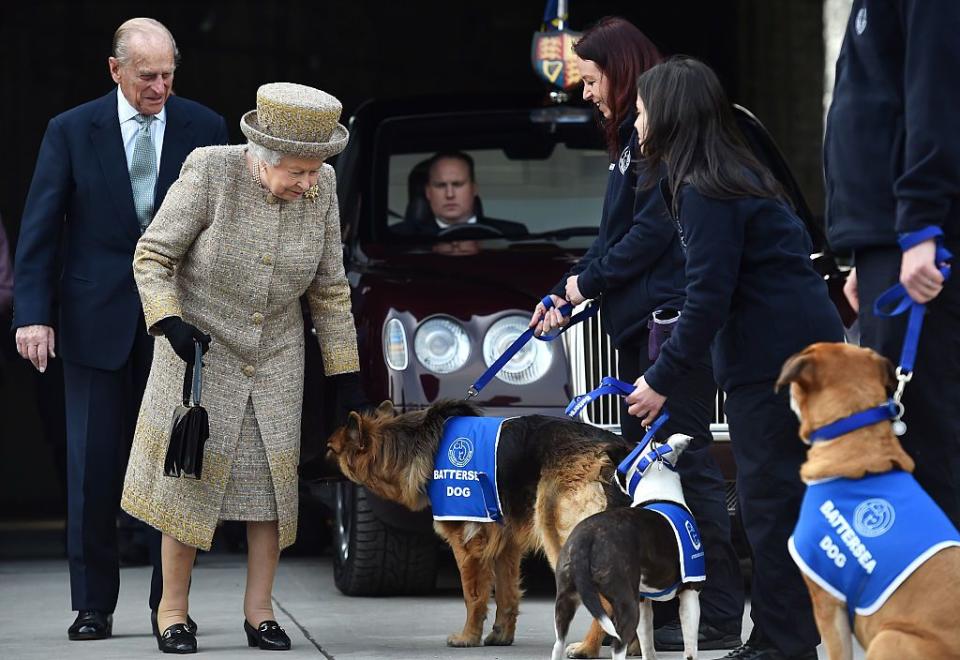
(890, 410)
(657, 454)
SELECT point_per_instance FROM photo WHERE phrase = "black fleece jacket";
(752, 292)
(892, 146)
(635, 266)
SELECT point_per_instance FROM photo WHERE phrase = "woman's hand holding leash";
(573, 290)
(645, 402)
(544, 320)
(919, 273)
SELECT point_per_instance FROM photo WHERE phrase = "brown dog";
(918, 620)
(551, 472)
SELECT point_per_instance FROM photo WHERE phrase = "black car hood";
(488, 271)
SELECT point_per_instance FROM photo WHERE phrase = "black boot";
(758, 647)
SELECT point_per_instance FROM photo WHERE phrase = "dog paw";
(498, 637)
(578, 650)
(459, 640)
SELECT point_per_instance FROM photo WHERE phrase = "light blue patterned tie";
(143, 171)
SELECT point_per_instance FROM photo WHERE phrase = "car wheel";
(374, 559)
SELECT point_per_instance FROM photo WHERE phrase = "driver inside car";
(451, 194)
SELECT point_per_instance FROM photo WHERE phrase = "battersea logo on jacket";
(464, 484)
(860, 547)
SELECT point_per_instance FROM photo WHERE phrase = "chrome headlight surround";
(441, 344)
(395, 349)
(530, 363)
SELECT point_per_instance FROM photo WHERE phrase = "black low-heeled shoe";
(177, 639)
(91, 624)
(269, 636)
(191, 624)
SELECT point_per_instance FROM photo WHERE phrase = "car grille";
(590, 357)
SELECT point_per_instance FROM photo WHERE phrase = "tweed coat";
(220, 255)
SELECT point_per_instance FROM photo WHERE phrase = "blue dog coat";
(464, 484)
(859, 546)
(693, 566)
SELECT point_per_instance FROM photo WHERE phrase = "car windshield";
(532, 178)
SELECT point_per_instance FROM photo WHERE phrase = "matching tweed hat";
(296, 120)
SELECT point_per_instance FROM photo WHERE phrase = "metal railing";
(590, 357)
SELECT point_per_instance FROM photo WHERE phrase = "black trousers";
(101, 412)
(691, 410)
(932, 398)
(768, 451)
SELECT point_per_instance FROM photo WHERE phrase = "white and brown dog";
(878, 556)
(619, 560)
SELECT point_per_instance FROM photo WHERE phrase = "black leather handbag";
(190, 427)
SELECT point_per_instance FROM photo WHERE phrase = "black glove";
(350, 395)
(181, 335)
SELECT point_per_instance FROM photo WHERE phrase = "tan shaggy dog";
(920, 619)
(551, 473)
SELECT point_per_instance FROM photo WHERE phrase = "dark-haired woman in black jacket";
(636, 267)
(753, 295)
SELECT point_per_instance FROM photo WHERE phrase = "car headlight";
(395, 345)
(441, 345)
(529, 364)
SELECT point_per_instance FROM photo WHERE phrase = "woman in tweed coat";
(242, 234)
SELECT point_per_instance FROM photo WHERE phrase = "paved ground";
(34, 615)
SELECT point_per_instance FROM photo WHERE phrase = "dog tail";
(587, 588)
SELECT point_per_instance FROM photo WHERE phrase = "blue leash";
(900, 301)
(520, 341)
(608, 385)
(611, 385)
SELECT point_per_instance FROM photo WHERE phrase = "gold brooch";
(312, 193)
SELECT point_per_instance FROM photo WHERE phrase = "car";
(433, 312)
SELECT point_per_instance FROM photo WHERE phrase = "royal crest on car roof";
(552, 50)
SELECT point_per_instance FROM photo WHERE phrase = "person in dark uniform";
(892, 163)
(635, 267)
(752, 294)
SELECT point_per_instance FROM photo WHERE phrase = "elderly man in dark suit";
(102, 170)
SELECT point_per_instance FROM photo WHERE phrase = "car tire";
(374, 559)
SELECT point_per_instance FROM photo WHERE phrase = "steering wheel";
(474, 230)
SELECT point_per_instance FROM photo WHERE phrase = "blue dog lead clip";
(526, 336)
(900, 301)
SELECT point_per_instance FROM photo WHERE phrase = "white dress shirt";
(129, 128)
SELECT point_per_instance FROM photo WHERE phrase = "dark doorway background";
(769, 54)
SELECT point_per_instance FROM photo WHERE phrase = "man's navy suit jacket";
(79, 227)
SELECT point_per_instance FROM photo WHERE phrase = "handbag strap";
(193, 378)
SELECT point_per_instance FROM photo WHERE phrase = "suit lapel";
(178, 141)
(108, 143)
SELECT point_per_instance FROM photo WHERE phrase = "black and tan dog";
(915, 616)
(617, 561)
(551, 474)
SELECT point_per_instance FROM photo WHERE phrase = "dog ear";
(678, 442)
(887, 373)
(386, 409)
(799, 368)
(355, 432)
